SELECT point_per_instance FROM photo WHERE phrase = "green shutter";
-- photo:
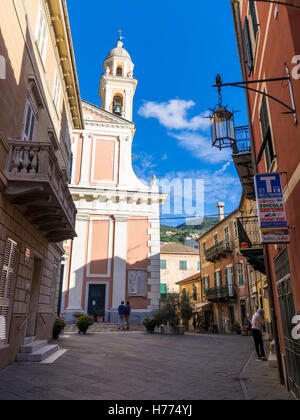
(163, 289)
(226, 276)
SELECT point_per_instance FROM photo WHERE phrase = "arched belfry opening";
(119, 71)
(118, 105)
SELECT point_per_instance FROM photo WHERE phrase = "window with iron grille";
(248, 47)
(6, 286)
(266, 133)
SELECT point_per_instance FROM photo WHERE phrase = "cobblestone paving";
(111, 365)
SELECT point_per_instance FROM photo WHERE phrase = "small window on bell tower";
(119, 71)
(118, 105)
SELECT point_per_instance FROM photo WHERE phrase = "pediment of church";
(96, 114)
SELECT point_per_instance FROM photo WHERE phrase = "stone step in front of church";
(101, 327)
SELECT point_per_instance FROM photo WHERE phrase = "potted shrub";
(167, 316)
(58, 327)
(77, 315)
(83, 323)
(150, 324)
(236, 328)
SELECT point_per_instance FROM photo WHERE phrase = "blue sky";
(177, 48)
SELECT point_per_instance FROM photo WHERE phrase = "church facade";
(116, 255)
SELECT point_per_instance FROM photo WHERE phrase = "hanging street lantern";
(222, 123)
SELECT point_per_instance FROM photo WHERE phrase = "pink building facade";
(116, 255)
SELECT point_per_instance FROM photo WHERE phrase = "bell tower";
(117, 85)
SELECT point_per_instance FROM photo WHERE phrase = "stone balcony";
(218, 251)
(39, 189)
(221, 293)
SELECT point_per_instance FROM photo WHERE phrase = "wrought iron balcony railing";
(221, 293)
(38, 187)
(220, 250)
(250, 241)
(242, 136)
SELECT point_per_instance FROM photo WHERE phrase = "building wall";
(172, 274)
(208, 268)
(30, 77)
(30, 246)
(274, 50)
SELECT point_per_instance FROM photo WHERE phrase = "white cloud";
(201, 147)
(173, 115)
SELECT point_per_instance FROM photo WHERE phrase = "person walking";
(258, 323)
(127, 314)
(121, 320)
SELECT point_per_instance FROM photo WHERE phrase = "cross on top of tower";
(120, 34)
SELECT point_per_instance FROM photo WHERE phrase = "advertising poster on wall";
(271, 211)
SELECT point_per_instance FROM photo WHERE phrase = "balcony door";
(229, 280)
(218, 283)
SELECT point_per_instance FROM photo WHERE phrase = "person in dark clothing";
(127, 314)
(121, 321)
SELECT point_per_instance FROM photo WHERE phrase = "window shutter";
(253, 18)
(226, 276)
(42, 35)
(248, 46)
(215, 278)
(7, 274)
(264, 118)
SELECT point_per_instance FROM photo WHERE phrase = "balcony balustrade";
(221, 293)
(38, 187)
(220, 250)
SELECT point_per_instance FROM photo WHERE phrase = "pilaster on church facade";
(115, 256)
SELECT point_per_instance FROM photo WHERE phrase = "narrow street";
(116, 365)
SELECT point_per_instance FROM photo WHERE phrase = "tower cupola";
(117, 85)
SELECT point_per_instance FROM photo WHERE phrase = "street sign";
(271, 211)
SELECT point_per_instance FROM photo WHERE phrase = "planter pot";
(179, 330)
(82, 330)
(165, 329)
(56, 334)
(150, 329)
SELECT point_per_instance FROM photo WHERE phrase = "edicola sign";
(271, 211)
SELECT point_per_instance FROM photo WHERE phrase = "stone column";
(120, 261)
(125, 162)
(107, 98)
(77, 269)
(86, 160)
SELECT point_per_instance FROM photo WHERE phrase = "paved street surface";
(114, 365)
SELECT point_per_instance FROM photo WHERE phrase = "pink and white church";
(116, 255)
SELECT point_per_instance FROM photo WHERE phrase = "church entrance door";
(96, 301)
